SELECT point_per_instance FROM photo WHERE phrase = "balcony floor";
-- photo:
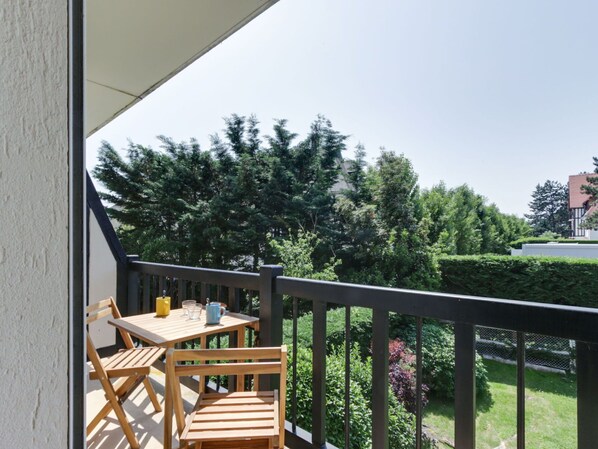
(147, 424)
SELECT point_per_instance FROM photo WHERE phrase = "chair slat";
(203, 355)
(227, 434)
(212, 409)
(233, 425)
(228, 369)
(98, 305)
(239, 394)
(205, 417)
(98, 316)
(260, 443)
(236, 401)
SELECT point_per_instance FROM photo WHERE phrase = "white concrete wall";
(589, 251)
(102, 281)
(34, 223)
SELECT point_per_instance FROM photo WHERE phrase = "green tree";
(461, 222)
(406, 260)
(383, 232)
(215, 208)
(359, 241)
(295, 254)
(549, 208)
(591, 188)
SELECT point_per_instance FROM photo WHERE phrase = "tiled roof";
(576, 197)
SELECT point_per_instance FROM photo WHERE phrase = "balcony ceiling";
(134, 46)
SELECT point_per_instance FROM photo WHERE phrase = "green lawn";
(550, 416)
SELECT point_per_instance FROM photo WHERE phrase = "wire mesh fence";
(540, 350)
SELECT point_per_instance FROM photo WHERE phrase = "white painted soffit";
(133, 46)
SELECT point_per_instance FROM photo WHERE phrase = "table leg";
(203, 344)
(168, 409)
(241, 344)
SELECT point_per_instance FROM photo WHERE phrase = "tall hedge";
(554, 280)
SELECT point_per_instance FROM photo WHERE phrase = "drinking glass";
(195, 311)
(186, 305)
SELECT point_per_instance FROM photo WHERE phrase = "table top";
(176, 328)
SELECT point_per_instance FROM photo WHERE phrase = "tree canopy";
(461, 222)
(233, 205)
(550, 209)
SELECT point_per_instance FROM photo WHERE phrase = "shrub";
(401, 373)
(554, 280)
(438, 344)
(296, 255)
(359, 413)
(438, 350)
(401, 422)
(361, 328)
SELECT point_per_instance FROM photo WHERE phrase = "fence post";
(270, 315)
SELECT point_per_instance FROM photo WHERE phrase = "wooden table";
(176, 328)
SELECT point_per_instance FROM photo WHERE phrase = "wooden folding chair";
(132, 365)
(242, 419)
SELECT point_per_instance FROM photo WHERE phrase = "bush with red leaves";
(402, 370)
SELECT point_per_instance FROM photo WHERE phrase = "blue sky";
(500, 95)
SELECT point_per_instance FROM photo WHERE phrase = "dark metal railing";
(466, 312)
(149, 280)
(580, 324)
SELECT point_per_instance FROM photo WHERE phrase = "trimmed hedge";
(553, 280)
(517, 244)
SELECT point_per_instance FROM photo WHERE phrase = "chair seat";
(130, 362)
(217, 417)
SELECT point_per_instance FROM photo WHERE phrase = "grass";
(550, 415)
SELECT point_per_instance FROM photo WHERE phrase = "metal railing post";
(132, 304)
(380, 379)
(270, 315)
(587, 395)
(318, 408)
(465, 386)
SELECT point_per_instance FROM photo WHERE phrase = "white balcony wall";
(34, 223)
(102, 281)
(588, 251)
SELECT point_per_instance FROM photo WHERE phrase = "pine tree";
(549, 209)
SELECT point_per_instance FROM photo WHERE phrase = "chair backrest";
(238, 361)
(105, 307)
